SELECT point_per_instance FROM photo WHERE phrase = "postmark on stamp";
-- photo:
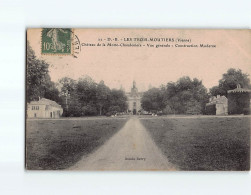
(56, 41)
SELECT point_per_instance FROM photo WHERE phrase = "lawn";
(203, 143)
(58, 144)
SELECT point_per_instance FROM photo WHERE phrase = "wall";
(221, 109)
(39, 113)
(44, 111)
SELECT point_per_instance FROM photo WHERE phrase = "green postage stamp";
(56, 41)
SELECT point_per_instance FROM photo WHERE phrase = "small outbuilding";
(217, 106)
(44, 108)
(239, 100)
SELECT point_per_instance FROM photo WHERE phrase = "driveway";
(130, 149)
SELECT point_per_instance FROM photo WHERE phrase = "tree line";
(82, 97)
(186, 96)
(85, 97)
(189, 96)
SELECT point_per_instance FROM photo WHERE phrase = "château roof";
(239, 90)
(44, 101)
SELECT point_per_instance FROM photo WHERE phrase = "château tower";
(134, 100)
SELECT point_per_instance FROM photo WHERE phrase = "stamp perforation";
(57, 53)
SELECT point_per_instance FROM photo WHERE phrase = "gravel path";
(130, 149)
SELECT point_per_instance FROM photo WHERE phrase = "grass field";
(206, 143)
(58, 144)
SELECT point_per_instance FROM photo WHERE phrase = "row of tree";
(186, 96)
(189, 96)
(78, 98)
(85, 97)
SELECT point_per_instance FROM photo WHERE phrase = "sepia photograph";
(125, 97)
(137, 99)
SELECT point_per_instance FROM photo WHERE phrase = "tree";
(36, 72)
(102, 96)
(114, 109)
(185, 96)
(69, 97)
(86, 90)
(193, 107)
(39, 83)
(118, 98)
(152, 100)
(229, 81)
(89, 109)
(216, 90)
(51, 92)
(87, 98)
(67, 85)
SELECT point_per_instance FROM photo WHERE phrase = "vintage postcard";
(138, 99)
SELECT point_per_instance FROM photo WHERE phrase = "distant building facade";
(134, 100)
(239, 100)
(44, 108)
(217, 106)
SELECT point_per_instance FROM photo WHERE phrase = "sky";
(119, 66)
